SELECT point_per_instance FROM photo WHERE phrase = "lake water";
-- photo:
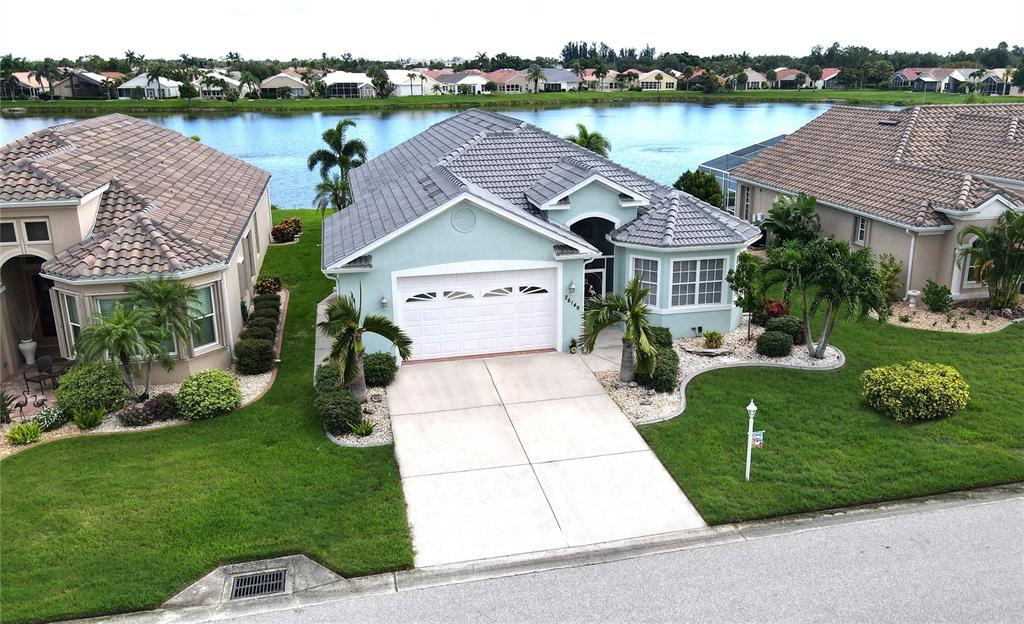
(659, 140)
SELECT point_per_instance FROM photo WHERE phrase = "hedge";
(379, 369)
(339, 410)
(661, 337)
(774, 344)
(254, 356)
(665, 376)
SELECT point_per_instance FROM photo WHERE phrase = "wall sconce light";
(572, 287)
(383, 302)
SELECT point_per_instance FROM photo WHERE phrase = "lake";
(659, 140)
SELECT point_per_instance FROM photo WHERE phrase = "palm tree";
(771, 76)
(341, 153)
(436, 89)
(577, 70)
(331, 192)
(536, 74)
(346, 324)
(686, 72)
(154, 73)
(173, 305)
(600, 72)
(211, 80)
(126, 335)
(793, 218)
(629, 310)
(593, 141)
(997, 256)
(250, 81)
(411, 76)
(46, 73)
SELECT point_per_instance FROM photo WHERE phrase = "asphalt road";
(964, 564)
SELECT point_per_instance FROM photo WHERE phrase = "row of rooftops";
(943, 74)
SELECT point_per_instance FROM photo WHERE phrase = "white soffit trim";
(599, 179)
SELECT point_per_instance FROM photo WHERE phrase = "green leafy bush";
(90, 418)
(339, 410)
(257, 333)
(915, 391)
(713, 340)
(267, 284)
(788, 325)
(91, 385)
(276, 298)
(281, 233)
(327, 378)
(661, 337)
(24, 433)
(379, 369)
(937, 297)
(262, 321)
(51, 418)
(270, 313)
(665, 375)
(254, 356)
(207, 394)
(774, 344)
(362, 428)
(889, 269)
(267, 304)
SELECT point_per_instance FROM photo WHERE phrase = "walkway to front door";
(516, 454)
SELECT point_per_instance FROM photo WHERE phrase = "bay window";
(698, 282)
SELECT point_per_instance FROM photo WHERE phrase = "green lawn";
(497, 100)
(103, 524)
(825, 448)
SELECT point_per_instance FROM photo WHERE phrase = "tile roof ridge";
(966, 181)
(901, 147)
(161, 233)
(30, 165)
(671, 220)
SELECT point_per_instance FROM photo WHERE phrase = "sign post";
(751, 411)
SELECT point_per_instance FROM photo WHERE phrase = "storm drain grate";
(258, 584)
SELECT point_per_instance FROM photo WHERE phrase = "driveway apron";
(515, 454)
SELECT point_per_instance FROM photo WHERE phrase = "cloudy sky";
(422, 30)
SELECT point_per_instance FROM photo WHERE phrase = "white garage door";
(477, 313)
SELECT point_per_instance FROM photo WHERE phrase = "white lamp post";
(751, 411)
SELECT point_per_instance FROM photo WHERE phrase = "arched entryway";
(598, 273)
(28, 311)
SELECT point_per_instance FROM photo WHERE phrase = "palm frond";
(383, 327)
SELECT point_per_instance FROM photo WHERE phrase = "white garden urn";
(28, 350)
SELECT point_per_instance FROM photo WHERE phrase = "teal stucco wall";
(593, 198)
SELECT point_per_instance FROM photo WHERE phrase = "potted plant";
(25, 329)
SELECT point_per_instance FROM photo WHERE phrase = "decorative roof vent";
(888, 122)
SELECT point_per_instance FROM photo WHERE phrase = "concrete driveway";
(516, 454)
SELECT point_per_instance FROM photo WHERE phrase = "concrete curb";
(688, 378)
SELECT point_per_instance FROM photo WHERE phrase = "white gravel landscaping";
(961, 320)
(643, 406)
(376, 411)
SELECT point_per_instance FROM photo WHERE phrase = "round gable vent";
(463, 219)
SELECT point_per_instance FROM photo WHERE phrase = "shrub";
(91, 385)
(362, 428)
(270, 296)
(936, 297)
(904, 318)
(263, 321)
(137, 416)
(915, 390)
(89, 419)
(772, 308)
(270, 313)
(294, 223)
(665, 376)
(889, 269)
(327, 378)
(267, 285)
(340, 410)
(257, 333)
(164, 406)
(24, 433)
(51, 418)
(266, 304)
(379, 369)
(788, 325)
(281, 233)
(774, 344)
(661, 337)
(254, 356)
(207, 394)
(713, 340)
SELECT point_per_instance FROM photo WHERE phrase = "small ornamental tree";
(702, 185)
(747, 281)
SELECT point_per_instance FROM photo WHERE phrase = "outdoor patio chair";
(43, 371)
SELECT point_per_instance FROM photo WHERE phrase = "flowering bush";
(772, 308)
(915, 391)
(51, 418)
(266, 285)
(207, 394)
(287, 230)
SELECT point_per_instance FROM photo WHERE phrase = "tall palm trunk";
(627, 367)
(126, 373)
(358, 385)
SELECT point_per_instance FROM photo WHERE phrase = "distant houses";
(283, 83)
(149, 88)
(955, 80)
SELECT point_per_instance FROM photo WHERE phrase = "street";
(941, 564)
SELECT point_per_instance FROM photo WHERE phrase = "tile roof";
(679, 220)
(499, 159)
(828, 73)
(171, 203)
(905, 166)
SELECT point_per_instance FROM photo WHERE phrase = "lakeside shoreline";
(501, 100)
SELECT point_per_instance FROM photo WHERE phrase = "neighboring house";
(469, 81)
(420, 84)
(27, 85)
(485, 234)
(932, 79)
(694, 80)
(112, 75)
(167, 88)
(829, 78)
(998, 82)
(509, 80)
(657, 80)
(755, 80)
(216, 91)
(558, 79)
(93, 205)
(785, 78)
(270, 87)
(904, 182)
(342, 84)
(904, 78)
(722, 168)
(607, 83)
(78, 83)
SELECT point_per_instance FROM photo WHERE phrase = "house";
(485, 234)
(723, 166)
(25, 84)
(903, 182)
(418, 84)
(272, 86)
(694, 79)
(78, 83)
(93, 205)
(215, 90)
(468, 81)
(829, 78)
(755, 80)
(509, 80)
(933, 79)
(605, 83)
(998, 82)
(342, 84)
(787, 78)
(150, 89)
(558, 79)
(657, 80)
